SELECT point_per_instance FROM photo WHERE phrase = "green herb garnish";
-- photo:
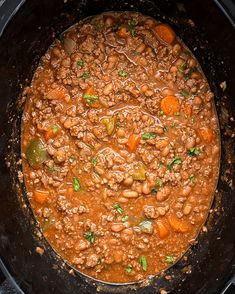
(159, 183)
(193, 151)
(76, 184)
(125, 218)
(54, 129)
(192, 178)
(176, 160)
(90, 98)
(169, 259)
(184, 93)
(136, 53)
(182, 67)
(51, 169)
(148, 136)
(143, 262)
(154, 190)
(118, 208)
(81, 63)
(90, 236)
(129, 268)
(116, 27)
(161, 164)
(131, 26)
(122, 73)
(89, 145)
(94, 161)
(85, 76)
(160, 112)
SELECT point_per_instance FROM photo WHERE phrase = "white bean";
(129, 194)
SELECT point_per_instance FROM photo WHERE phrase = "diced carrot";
(170, 105)
(90, 92)
(122, 32)
(188, 110)
(165, 33)
(51, 132)
(162, 229)
(133, 142)
(206, 134)
(59, 93)
(40, 196)
(177, 224)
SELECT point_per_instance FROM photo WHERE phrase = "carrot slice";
(162, 230)
(40, 196)
(170, 105)
(177, 224)
(188, 110)
(123, 33)
(51, 132)
(133, 142)
(165, 33)
(90, 98)
(206, 134)
(59, 93)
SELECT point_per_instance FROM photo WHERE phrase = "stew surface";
(120, 146)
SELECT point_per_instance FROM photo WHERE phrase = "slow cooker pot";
(207, 28)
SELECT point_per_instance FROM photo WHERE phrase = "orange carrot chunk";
(165, 33)
(51, 132)
(41, 196)
(90, 98)
(162, 230)
(123, 33)
(188, 110)
(59, 93)
(170, 105)
(133, 142)
(206, 134)
(178, 225)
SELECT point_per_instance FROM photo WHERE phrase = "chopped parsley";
(184, 93)
(131, 26)
(116, 27)
(161, 164)
(90, 236)
(51, 169)
(85, 76)
(129, 268)
(175, 161)
(122, 73)
(90, 98)
(125, 218)
(154, 190)
(76, 184)
(143, 262)
(192, 178)
(54, 129)
(148, 136)
(89, 145)
(193, 151)
(161, 113)
(118, 208)
(159, 183)
(94, 161)
(182, 67)
(188, 74)
(169, 259)
(136, 53)
(81, 63)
